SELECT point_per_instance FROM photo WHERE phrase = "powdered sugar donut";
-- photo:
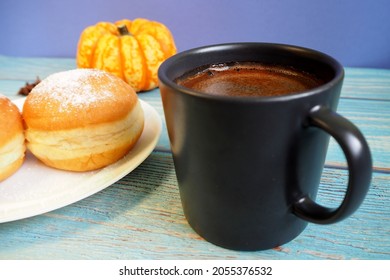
(82, 119)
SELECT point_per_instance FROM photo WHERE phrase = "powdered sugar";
(74, 88)
(10, 107)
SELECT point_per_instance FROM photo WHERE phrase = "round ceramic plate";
(36, 188)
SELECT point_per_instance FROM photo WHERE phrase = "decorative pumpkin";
(131, 50)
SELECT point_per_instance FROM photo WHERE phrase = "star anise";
(28, 87)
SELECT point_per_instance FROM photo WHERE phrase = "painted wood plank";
(140, 217)
(25, 69)
(372, 117)
(366, 83)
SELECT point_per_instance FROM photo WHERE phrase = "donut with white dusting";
(12, 144)
(82, 119)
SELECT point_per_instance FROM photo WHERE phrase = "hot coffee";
(248, 79)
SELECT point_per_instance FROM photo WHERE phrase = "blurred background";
(356, 32)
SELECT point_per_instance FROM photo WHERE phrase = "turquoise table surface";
(140, 216)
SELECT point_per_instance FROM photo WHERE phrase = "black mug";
(249, 168)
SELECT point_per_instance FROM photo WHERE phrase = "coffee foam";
(248, 79)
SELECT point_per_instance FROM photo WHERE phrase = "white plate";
(35, 188)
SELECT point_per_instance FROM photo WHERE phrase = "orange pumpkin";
(131, 50)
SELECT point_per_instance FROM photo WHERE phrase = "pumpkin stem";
(123, 30)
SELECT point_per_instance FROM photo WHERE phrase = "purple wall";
(356, 32)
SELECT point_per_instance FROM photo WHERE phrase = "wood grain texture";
(372, 118)
(28, 69)
(140, 216)
(365, 83)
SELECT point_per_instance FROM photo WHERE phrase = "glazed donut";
(82, 119)
(12, 143)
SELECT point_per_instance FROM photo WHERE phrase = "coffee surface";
(248, 79)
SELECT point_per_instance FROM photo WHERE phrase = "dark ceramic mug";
(257, 190)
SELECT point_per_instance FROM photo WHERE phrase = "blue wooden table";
(140, 216)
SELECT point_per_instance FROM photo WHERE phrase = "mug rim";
(181, 56)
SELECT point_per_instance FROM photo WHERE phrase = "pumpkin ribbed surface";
(131, 50)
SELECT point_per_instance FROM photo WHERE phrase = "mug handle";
(359, 162)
